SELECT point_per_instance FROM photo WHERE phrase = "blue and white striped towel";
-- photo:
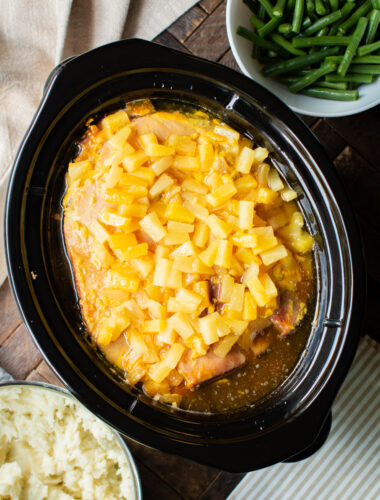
(347, 467)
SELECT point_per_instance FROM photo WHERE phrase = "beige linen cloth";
(35, 35)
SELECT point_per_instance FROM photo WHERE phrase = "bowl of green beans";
(321, 57)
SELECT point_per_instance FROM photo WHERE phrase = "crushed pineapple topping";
(180, 234)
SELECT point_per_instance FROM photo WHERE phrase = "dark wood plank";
(168, 40)
(331, 141)
(210, 39)
(229, 60)
(362, 183)
(186, 24)
(222, 486)
(188, 478)
(209, 5)
(154, 488)
(362, 133)
(309, 120)
(47, 373)
(18, 355)
(10, 317)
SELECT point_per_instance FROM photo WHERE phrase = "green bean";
(278, 9)
(284, 28)
(310, 6)
(350, 78)
(251, 5)
(270, 26)
(320, 8)
(260, 42)
(275, 37)
(352, 46)
(334, 59)
(322, 22)
(376, 4)
(346, 11)
(306, 23)
(366, 60)
(290, 5)
(312, 77)
(298, 15)
(373, 24)
(322, 40)
(354, 18)
(267, 6)
(261, 12)
(333, 85)
(334, 4)
(368, 69)
(337, 95)
(298, 62)
(321, 32)
(285, 44)
(368, 49)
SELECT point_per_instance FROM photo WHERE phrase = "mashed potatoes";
(52, 448)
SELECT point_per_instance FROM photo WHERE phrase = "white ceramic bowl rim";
(237, 13)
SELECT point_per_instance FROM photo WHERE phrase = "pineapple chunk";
(250, 307)
(181, 324)
(190, 298)
(161, 185)
(260, 155)
(158, 150)
(114, 219)
(224, 346)
(100, 232)
(180, 227)
(187, 249)
(158, 373)
(245, 183)
(147, 139)
(218, 227)
(145, 174)
(182, 144)
(154, 326)
(208, 256)
(226, 288)
(114, 122)
(162, 272)
(174, 279)
(187, 163)
(265, 238)
(220, 195)
(224, 253)
(226, 131)
(245, 160)
(134, 160)
(201, 234)
(274, 180)
(258, 291)
(134, 210)
(197, 210)
(151, 224)
(143, 265)
(116, 195)
(118, 140)
(175, 238)
(236, 299)
(174, 355)
(206, 155)
(246, 214)
(78, 170)
(159, 166)
(208, 326)
(273, 255)
(175, 211)
(156, 310)
(113, 176)
(121, 241)
(184, 264)
(194, 186)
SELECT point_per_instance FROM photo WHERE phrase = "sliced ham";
(198, 370)
(289, 314)
(163, 125)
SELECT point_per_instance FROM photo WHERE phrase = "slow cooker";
(292, 421)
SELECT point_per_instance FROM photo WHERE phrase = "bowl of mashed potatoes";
(51, 447)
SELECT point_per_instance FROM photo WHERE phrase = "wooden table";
(352, 143)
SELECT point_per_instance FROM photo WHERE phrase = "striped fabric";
(347, 467)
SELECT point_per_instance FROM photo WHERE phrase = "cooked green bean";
(285, 44)
(267, 6)
(278, 9)
(322, 40)
(337, 95)
(350, 78)
(320, 8)
(285, 28)
(256, 22)
(306, 23)
(269, 27)
(322, 22)
(298, 15)
(260, 42)
(298, 62)
(334, 4)
(321, 32)
(368, 69)
(376, 4)
(366, 60)
(373, 24)
(351, 49)
(312, 77)
(261, 12)
(354, 18)
(346, 11)
(333, 85)
(310, 6)
(368, 49)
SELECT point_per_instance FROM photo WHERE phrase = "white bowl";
(237, 14)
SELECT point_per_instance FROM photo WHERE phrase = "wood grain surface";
(352, 143)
